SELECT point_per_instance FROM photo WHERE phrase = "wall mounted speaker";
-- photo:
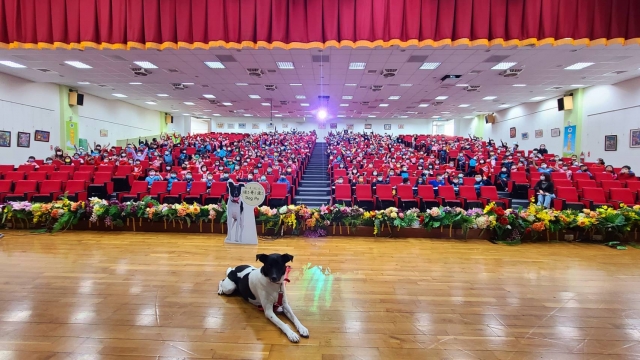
(73, 98)
(80, 101)
(490, 119)
(565, 103)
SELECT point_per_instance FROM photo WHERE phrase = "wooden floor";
(92, 295)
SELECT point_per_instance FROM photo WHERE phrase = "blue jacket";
(170, 182)
(436, 183)
(284, 181)
(150, 179)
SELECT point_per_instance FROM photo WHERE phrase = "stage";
(125, 295)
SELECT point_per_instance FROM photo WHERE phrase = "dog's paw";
(220, 291)
(293, 337)
(303, 331)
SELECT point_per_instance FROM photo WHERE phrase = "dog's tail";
(229, 270)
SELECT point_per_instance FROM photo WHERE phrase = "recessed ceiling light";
(469, 117)
(489, 97)
(503, 65)
(187, 83)
(216, 114)
(423, 105)
(84, 82)
(435, 117)
(175, 110)
(285, 65)
(300, 97)
(344, 104)
(403, 116)
(341, 116)
(188, 103)
(12, 64)
(394, 97)
(145, 64)
(227, 103)
(445, 112)
(383, 105)
(247, 115)
(504, 105)
(135, 83)
(519, 85)
(579, 66)
(371, 116)
(357, 65)
(254, 96)
(206, 110)
(150, 103)
(265, 104)
(186, 114)
(214, 64)
(464, 105)
(304, 104)
(209, 96)
(162, 95)
(406, 85)
(350, 84)
(578, 85)
(411, 112)
(537, 98)
(278, 115)
(295, 84)
(78, 64)
(242, 84)
(429, 65)
(442, 97)
(347, 97)
(119, 95)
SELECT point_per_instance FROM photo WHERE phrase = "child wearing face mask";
(626, 174)
(32, 161)
(283, 180)
(188, 177)
(544, 189)
(439, 181)
(137, 170)
(543, 168)
(480, 182)
(152, 177)
(502, 178)
(173, 177)
(208, 180)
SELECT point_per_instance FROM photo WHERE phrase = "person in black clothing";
(503, 177)
(544, 189)
(542, 150)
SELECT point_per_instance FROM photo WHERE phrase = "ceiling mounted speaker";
(565, 103)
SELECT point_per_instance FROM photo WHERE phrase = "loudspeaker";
(73, 98)
(168, 119)
(489, 119)
(565, 103)
(80, 99)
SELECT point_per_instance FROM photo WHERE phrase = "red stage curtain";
(161, 24)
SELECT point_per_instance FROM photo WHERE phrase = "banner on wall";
(71, 135)
(83, 143)
(569, 144)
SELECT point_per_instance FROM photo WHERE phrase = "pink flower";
(401, 215)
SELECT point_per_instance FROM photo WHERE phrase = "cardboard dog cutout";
(241, 222)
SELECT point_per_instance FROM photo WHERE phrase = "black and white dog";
(235, 212)
(261, 287)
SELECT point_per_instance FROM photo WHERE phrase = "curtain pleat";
(140, 23)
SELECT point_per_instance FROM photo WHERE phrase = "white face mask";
(542, 178)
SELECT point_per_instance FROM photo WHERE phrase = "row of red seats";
(593, 197)
(425, 198)
(44, 191)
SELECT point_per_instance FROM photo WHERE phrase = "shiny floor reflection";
(92, 295)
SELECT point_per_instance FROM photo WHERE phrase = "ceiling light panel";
(119, 95)
(442, 97)
(214, 64)
(145, 64)
(504, 65)
(394, 97)
(357, 65)
(254, 96)
(209, 96)
(579, 66)
(347, 97)
(429, 66)
(300, 97)
(489, 97)
(285, 65)
(12, 64)
(78, 64)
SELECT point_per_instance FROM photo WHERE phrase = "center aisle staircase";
(315, 186)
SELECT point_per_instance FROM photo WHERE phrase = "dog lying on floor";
(261, 287)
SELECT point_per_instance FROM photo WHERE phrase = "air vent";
(475, 72)
(115, 58)
(277, 106)
(472, 88)
(205, 86)
(554, 88)
(255, 72)
(270, 87)
(320, 58)
(496, 58)
(272, 71)
(376, 87)
(362, 87)
(284, 102)
(178, 86)
(213, 101)
(103, 85)
(226, 58)
(613, 73)
(323, 97)
(446, 86)
(364, 103)
(417, 59)
(172, 71)
(372, 72)
(372, 107)
(47, 71)
(437, 103)
(511, 73)
(138, 71)
(389, 72)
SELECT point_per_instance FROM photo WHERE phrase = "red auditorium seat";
(14, 175)
(339, 172)
(567, 198)
(622, 196)
(76, 190)
(634, 186)
(48, 169)
(581, 184)
(469, 197)
(68, 168)
(364, 197)
(562, 183)
(26, 168)
(427, 198)
(6, 168)
(139, 189)
(105, 168)
(607, 185)
(342, 195)
(593, 198)
(60, 175)
(384, 196)
(447, 195)
(600, 176)
(406, 199)
(82, 175)
(279, 194)
(395, 180)
(518, 178)
(49, 190)
(87, 168)
(217, 193)
(5, 188)
(198, 190)
(489, 194)
(37, 176)
(177, 193)
(102, 186)
(23, 191)
(158, 189)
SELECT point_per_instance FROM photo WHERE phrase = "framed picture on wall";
(350, 127)
(539, 133)
(333, 126)
(367, 126)
(219, 125)
(231, 126)
(41, 135)
(242, 125)
(634, 138)
(512, 132)
(104, 132)
(401, 126)
(322, 126)
(555, 132)
(387, 126)
(24, 139)
(285, 125)
(5, 138)
(525, 136)
(611, 143)
(255, 126)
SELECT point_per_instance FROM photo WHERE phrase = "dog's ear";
(262, 258)
(286, 258)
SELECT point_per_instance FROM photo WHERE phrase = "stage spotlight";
(322, 114)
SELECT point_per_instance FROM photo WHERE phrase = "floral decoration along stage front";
(506, 225)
